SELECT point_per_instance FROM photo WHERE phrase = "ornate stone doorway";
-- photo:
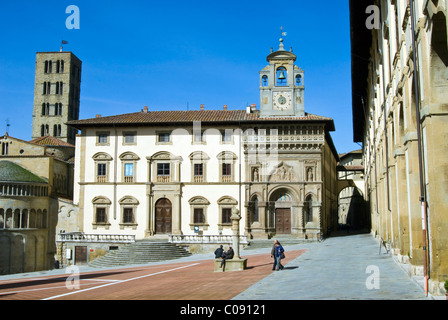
(163, 216)
(281, 205)
(283, 220)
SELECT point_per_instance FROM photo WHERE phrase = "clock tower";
(282, 86)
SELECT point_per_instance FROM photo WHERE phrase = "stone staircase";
(140, 252)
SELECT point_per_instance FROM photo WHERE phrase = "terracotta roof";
(182, 117)
(51, 141)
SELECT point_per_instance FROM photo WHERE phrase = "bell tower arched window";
(264, 81)
(282, 76)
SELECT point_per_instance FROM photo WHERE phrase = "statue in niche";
(255, 176)
(309, 174)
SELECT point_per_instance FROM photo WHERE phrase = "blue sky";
(177, 54)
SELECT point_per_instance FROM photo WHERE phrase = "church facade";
(161, 173)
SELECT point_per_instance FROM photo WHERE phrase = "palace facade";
(160, 173)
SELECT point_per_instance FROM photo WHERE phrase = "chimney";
(253, 107)
(225, 107)
(98, 116)
(247, 109)
(145, 109)
(202, 107)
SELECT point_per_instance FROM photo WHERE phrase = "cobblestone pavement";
(339, 268)
(348, 267)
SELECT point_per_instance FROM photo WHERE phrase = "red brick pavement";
(194, 280)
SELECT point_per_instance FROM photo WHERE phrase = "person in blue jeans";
(277, 251)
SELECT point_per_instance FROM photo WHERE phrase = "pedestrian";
(219, 252)
(227, 255)
(278, 256)
(273, 250)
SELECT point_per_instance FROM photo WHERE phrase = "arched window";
(255, 212)
(101, 207)
(309, 209)
(282, 75)
(264, 81)
(128, 211)
(58, 109)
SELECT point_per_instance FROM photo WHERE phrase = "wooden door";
(283, 220)
(80, 254)
(163, 216)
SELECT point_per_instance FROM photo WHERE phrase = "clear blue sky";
(172, 54)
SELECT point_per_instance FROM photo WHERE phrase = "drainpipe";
(115, 170)
(420, 158)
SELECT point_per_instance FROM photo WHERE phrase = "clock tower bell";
(282, 86)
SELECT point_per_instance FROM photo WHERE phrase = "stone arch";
(352, 208)
(163, 155)
(227, 155)
(102, 156)
(439, 58)
(199, 155)
(128, 155)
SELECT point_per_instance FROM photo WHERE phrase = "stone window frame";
(164, 157)
(199, 202)
(129, 133)
(101, 202)
(227, 157)
(129, 157)
(128, 202)
(199, 157)
(102, 158)
(225, 202)
(158, 133)
(102, 133)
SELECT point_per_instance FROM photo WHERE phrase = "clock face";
(282, 101)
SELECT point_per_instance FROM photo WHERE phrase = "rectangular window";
(198, 169)
(226, 169)
(163, 169)
(226, 213)
(102, 169)
(164, 137)
(128, 169)
(102, 138)
(101, 215)
(198, 215)
(129, 138)
(128, 215)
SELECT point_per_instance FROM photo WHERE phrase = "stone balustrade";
(204, 239)
(83, 237)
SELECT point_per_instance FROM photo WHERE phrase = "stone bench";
(231, 265)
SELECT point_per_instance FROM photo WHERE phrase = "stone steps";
(140, 252)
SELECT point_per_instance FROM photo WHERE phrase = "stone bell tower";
(282, 85)
(57, 90)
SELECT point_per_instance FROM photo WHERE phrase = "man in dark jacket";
(219, 252)
(277, 250)
(227, 255)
